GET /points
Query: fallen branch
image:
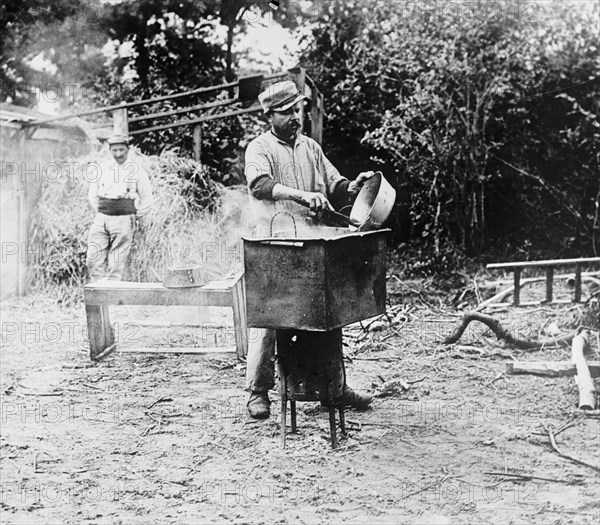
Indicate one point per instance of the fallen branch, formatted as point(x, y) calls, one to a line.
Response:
point(550, 368)
point(416, 292)
point(162, 399)
point(501, 333)
point(413, 381)
point(562, 454)
point(527, 477)
point(568, 424)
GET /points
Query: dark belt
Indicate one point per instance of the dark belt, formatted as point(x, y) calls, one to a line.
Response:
point(121, 206)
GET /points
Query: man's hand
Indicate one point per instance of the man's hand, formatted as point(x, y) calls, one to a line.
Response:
point(355, 186)
point(317, 202)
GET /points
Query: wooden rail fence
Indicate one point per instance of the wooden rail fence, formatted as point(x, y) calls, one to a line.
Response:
point(548, 266)
point(247, 89)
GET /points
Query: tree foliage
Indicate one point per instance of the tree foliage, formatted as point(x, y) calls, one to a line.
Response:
point(484, 115)
point(135, 49)
point(485, 119)
point(23, 23)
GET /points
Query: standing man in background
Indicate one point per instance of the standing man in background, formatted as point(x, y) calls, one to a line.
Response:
point(120, 193)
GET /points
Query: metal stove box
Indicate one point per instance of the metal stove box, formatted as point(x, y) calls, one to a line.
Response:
point(321, 279)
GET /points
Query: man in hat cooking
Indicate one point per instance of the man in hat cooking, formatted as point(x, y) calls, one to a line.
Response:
point(120, 192)
point(283, 169)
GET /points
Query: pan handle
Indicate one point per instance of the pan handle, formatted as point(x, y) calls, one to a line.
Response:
point(332, 213)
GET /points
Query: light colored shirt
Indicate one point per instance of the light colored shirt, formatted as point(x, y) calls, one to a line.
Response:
point(112, 180)
point(303, 167)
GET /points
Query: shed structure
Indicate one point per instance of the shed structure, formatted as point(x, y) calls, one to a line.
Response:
point(27, 154)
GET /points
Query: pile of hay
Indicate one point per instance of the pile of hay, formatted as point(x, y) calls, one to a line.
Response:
point(194, 221)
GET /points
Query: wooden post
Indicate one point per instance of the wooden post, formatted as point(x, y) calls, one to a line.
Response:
point(316, 116)
point(577, 297)
point(121, 122)
point(298, 75)
point(197, 142)
point(517, 284)
point(20, 281)
point(22, 211)
point(549, 283)
point(583, 379)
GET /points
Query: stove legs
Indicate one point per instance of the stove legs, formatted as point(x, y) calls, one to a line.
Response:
point(342, 421)
point(332, 422)
point(332, 429)
point(283, 388)
point(293, 415)
point(310, 368)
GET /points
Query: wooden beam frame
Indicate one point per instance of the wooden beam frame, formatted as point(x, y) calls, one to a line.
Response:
point(143, 102)
point(188, 109)
point(196, 120)
point(550, 368)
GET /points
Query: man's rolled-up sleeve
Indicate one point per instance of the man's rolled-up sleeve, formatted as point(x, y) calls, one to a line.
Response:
point(262, 187)
point(258, 172)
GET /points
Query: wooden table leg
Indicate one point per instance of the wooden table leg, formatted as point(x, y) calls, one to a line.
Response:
point(100, 333)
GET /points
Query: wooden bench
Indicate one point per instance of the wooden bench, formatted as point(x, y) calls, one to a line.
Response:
point(548, 266)
point(99, 295)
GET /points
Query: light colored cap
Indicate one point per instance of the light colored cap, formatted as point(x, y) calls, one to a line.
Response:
point(280, 96)
point(118, 138)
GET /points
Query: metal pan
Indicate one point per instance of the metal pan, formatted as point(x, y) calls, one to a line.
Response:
point(374, 204)
point(371, 208)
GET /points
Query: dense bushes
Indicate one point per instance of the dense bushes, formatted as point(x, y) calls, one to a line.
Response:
point(486, 120)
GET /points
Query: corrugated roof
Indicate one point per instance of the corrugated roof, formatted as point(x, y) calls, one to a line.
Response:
point(13, 116)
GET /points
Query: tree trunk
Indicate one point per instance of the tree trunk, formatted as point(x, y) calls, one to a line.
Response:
point(229, 76)
point(143, 59)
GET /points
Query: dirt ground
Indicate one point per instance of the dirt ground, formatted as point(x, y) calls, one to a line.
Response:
point(165, 438)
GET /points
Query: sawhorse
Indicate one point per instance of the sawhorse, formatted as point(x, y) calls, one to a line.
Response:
point(99, 295)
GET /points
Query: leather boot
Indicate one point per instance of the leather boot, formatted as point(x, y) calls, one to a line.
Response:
point(353, 398)
point(259, 405)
